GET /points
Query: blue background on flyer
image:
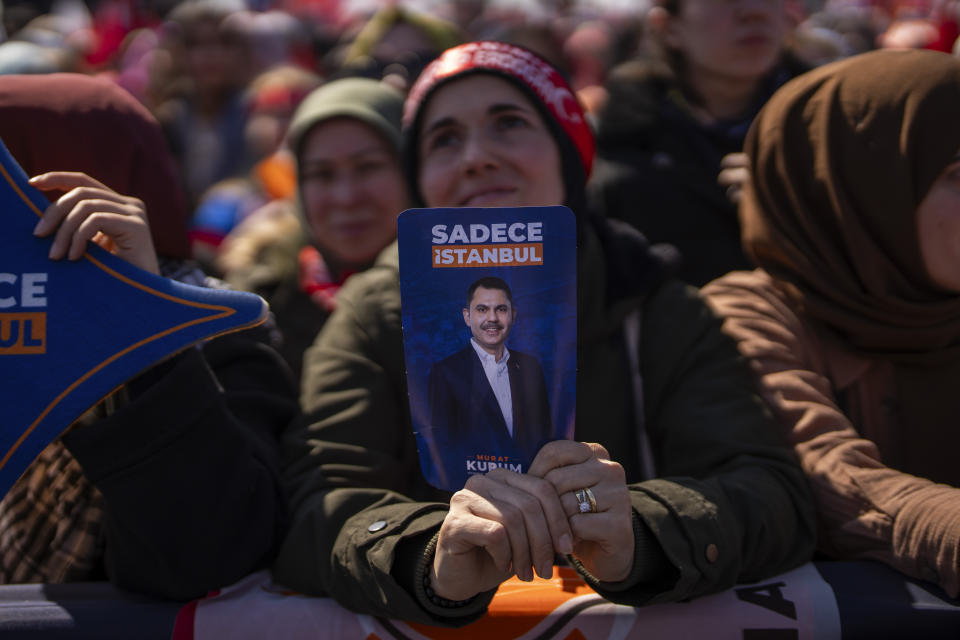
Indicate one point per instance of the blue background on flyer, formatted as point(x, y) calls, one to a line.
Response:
point(545, 298)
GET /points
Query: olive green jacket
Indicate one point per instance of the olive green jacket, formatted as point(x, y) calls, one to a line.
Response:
point(729, 504)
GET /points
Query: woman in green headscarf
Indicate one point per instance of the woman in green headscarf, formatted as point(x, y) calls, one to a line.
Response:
point(345, 137)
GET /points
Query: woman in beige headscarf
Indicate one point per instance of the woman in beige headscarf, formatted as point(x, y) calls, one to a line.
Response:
point(853, 319)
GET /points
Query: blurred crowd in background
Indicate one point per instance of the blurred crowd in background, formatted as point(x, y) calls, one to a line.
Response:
point(224, 77)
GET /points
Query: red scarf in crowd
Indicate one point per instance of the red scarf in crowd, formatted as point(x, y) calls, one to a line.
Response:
point(317, 280)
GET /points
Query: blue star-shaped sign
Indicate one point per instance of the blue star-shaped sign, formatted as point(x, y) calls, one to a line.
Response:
point(72, 332)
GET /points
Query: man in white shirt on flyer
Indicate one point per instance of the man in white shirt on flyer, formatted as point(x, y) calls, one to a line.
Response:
point(488, 404)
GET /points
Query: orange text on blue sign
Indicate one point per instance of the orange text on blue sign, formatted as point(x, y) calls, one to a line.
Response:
point(23, 333)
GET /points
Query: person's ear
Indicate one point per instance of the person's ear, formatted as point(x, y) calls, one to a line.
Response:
point(466, 316)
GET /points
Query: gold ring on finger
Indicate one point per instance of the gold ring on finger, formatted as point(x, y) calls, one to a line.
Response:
point(593, 500)
point(586, 501)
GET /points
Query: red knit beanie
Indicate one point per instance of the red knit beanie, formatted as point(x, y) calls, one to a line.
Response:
point(535, 75)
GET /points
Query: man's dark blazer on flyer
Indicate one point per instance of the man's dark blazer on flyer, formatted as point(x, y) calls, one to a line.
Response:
point(466, 420)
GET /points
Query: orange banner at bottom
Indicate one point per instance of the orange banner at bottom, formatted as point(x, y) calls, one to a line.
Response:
point(798, 604)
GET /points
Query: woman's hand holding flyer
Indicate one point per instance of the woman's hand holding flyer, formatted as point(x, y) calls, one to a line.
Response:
point(603, 540)
point(502, 523)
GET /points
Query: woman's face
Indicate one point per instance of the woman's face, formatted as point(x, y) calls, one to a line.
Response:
point(483, 144)
point(739, 39)
point(352, 190)
point(938, 229)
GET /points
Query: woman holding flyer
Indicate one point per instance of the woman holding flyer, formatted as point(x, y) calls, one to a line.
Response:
point(677, 484)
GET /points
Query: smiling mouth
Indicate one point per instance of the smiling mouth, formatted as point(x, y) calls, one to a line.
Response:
point(492, 332)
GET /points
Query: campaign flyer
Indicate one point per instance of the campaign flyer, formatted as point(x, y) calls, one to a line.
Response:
point(489, 315)
point(72, 332)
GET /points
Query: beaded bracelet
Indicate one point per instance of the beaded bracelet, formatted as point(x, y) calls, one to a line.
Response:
point(442, 602)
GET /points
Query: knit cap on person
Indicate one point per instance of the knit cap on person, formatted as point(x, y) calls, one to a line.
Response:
point(536, 78)
point(366, 100)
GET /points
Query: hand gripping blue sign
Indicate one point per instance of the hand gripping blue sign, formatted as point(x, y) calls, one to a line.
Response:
point(73, 332)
